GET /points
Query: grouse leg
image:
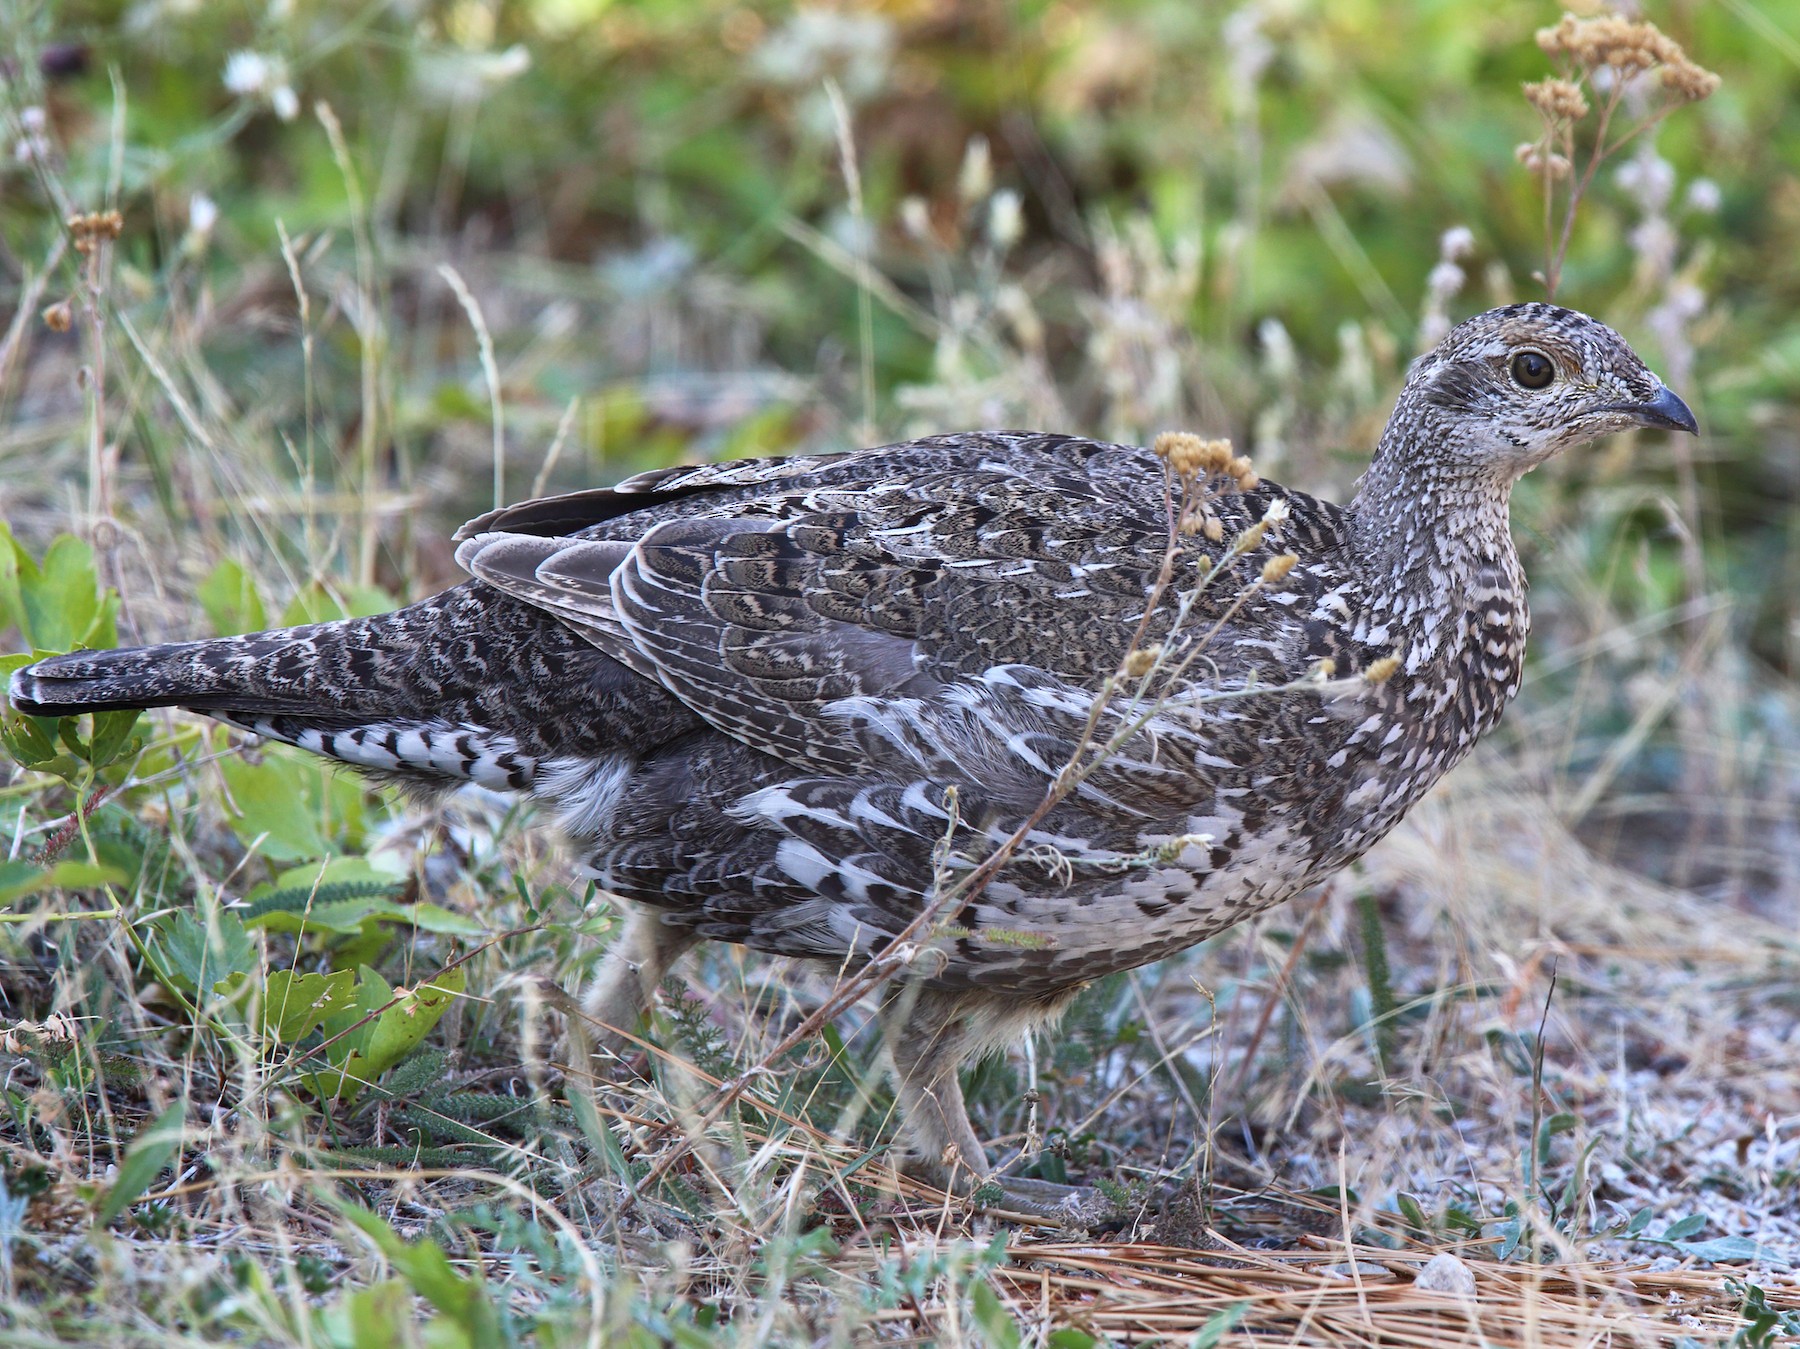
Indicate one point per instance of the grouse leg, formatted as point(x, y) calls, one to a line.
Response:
point(929, 1036)
point(926, 1039)
point(614, 1003)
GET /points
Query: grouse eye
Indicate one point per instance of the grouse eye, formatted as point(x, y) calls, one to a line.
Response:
point(1532, 370)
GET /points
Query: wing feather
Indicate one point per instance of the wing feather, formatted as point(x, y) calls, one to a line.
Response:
point(952, 604)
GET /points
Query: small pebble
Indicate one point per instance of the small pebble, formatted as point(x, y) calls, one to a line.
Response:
point(1444, 1273)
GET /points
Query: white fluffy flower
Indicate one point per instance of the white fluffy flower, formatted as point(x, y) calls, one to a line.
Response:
point(247, 73)
point(1445, 280)
point(1456, 243)
point(1005, 220)
point(203, 214)
point(1703, 196)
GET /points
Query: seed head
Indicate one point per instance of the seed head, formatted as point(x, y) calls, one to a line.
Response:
point(1688, 82)
point(1558, 100)
point(1275, 570)
point(1140, 661)
point(1533, 156)
point(1627, 49)
point(1325, 669)
point(94, 227)
point(1240, 468)
point(1191, 457)
point(1170, 850)
point(1213, 528)
point(1380, 671)
point(59, 317)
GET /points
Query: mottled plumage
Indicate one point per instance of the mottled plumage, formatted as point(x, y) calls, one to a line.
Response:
point(745, 690)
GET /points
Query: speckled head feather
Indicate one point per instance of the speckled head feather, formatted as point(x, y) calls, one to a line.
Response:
point(1512, 387)
point(748, 693)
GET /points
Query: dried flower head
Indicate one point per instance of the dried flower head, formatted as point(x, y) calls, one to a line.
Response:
point(1605, 56)
point(1534, 157)
point(1380, 671)
point(1557, 100)
point(1170, 850)
point(1201, 519)
point(26, 1037)
point(1275, 570)
point(1140, 661)
point(1689, 82)
point(1626, 48)
point(1607, 40)
point(1191, 457)
point(1241, 469)
point(59, 317)
point(1456, 243)
point(94, 227)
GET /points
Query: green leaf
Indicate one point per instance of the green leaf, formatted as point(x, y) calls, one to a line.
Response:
point(1734, 1248)
point(316, 604)
point(1683, 1228)
point(1560, 1123)
point(295, 1004)
point(398, 1031)
point(1070, 1338)
point(378, 1317)
point(1511, 1233)
point(463, 1301)
point(369, 1050)
point(1410, 1210)
point(149, 1153)
point(19, 879)
point(230, 599)
point(1218, 1326)
point(997, 1324)
point(111, 735)
point(429, 917)
point(340, 897)
point(30, 740)
point(12, 601)
point(59, 606)
point(281, 801)
point(201, 957)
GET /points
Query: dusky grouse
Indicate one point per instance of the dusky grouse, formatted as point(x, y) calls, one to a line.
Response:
point(788, 702)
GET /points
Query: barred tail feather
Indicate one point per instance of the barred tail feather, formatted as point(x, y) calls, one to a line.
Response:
point(222, 678)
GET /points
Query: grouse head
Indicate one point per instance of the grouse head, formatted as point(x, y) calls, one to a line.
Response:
point(1506, 390)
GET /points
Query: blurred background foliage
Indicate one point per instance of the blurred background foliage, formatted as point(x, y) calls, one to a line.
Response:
point(702, 229)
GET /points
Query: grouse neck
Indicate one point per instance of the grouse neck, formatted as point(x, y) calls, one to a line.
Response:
point(1430, 527)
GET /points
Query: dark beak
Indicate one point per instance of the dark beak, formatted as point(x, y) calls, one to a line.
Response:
point(1665, 412)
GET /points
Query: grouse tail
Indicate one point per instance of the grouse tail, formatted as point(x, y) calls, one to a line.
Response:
point(204, 676)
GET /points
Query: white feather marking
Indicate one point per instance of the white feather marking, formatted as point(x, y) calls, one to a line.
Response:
point(584, 793)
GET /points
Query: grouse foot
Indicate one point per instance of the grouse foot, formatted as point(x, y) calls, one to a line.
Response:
point(1080, 1207)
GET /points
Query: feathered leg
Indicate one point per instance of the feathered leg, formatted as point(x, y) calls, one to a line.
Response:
point(614, 1003)
point(928, 1037)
